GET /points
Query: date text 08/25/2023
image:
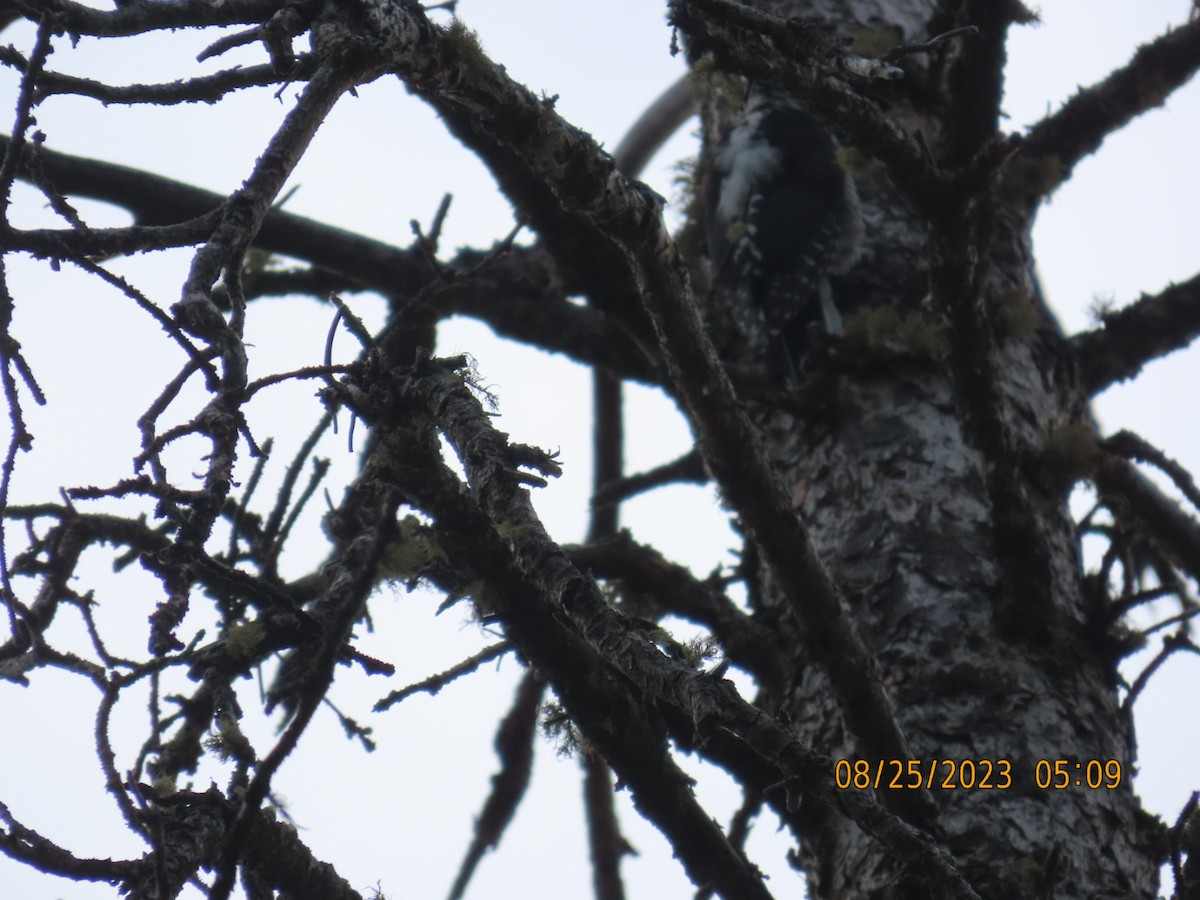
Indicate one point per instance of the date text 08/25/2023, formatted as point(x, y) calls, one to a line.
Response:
point(973, 774)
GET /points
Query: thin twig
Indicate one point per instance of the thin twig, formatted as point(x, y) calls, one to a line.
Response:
point(434, 683)
point(930, 45)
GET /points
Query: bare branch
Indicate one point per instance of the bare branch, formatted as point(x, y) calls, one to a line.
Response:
point(243, 214)
point(655, 126)
point(536, 593)
point(670, 588)
point(686, 469)
point(1055, 145)
point(604, 830)
point(925, 47)
point(137, 18)
point(206, 89)
point(1133, 446)
point(275, 851)
point(545, 605)
point(1177, 533)
point(506, 121)
point(434, 683)
point(608, 448)
point(1172, 644)
point(21, 439)
point(533, 309)
point(24, 121)
point(1141, 332)
point(514, 745)
point(974, 71)
point(20, 842)
point(196, 826)
point(1183, 837)
point(307, 673)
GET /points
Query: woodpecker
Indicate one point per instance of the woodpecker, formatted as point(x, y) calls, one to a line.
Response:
point(783, 215)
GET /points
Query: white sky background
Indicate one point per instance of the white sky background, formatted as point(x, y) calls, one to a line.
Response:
point(1129, 221)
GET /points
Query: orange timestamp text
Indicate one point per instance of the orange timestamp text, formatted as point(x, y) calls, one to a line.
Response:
point(972, 774)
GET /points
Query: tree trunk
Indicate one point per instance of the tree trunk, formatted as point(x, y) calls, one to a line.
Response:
point(927, 468)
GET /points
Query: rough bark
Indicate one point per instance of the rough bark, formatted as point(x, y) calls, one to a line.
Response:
point(920, 486)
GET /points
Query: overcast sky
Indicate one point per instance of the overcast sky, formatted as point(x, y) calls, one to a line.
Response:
point(1129, 221)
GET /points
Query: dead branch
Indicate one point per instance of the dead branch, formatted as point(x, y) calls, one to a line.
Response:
point(1055, 145)
point(1141, 332)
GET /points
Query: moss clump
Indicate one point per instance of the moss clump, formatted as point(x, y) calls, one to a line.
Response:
point(891, 331)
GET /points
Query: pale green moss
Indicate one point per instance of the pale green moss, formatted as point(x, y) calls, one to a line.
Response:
point(241, 641)
point(890, 330)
